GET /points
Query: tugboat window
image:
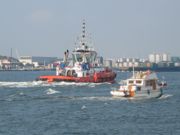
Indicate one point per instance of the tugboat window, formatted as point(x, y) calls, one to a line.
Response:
point(139, 81)
point(79, 58)
point(74, 73)
point(131, 82)
point(69, 73)
point(138, 88)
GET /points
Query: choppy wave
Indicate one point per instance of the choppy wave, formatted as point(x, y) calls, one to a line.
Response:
point(51, 91)
point(83, 107)
point(45, 84)
point(24, 97)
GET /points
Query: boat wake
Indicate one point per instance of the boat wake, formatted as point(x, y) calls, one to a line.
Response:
point(99, 98)
point(30, 84)
point(53, 94)
point(22, 84)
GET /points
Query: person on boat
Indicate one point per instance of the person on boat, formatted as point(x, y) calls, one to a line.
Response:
point(57, 70)
point(67, 53)
point(65, 57)
point(85, 66)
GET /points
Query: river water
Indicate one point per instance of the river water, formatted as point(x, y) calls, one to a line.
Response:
point(28, 107)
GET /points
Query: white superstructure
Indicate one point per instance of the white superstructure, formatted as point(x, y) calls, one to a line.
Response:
point(157, 57)
point(26, 60)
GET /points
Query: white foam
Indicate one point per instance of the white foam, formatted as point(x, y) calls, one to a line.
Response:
point(20, 84)
point(9, 99)
point(83, 107)
point(165, 96)
point(68, 84)
point(44, 84)
point(102, 98)
point(105, 103)
point(51, 91)
point(92, 85)
point(21, 93)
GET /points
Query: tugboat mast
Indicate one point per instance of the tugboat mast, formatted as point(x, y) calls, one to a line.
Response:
point(83, 33)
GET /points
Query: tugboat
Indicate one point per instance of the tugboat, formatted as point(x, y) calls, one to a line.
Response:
point(82, 68)
point(142, 85)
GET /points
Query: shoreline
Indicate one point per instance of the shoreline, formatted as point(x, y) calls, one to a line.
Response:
point(156, 69)
point(173, 69)
point(27, 70)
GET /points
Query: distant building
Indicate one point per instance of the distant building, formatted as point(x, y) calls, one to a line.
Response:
point(45, 61)
point(152, 58)
point(175, 59)
point(108, 63)
point(166, 57)
point(7, 63)
point(127, 62)
point(177, 64)
point(36, 64)
point(162, 64)
point(26, 60)
point(121, 60)
point(99, 60)
point(156, 58)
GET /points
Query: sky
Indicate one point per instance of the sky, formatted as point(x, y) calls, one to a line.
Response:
point(119, 28)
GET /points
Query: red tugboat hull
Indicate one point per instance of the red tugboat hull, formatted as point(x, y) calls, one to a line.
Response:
point(96, 78)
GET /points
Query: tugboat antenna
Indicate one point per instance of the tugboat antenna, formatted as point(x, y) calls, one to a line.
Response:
point(83, 32)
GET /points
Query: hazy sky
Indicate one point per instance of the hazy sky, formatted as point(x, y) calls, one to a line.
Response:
point(119, 28)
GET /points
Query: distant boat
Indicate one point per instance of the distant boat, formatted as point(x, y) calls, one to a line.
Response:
point(140, 85)
point(82, 68)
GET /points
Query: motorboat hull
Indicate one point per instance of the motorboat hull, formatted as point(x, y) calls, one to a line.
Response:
point(96, 78)
point(138, 94)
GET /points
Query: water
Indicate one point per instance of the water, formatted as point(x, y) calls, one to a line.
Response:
point(35, 108)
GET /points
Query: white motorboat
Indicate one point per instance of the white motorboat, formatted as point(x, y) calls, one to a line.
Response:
point(141, 84)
